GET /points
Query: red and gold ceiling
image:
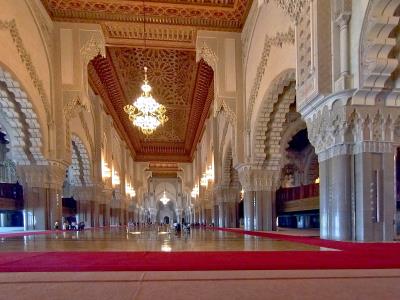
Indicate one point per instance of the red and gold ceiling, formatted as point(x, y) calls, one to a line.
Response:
point(182, 85)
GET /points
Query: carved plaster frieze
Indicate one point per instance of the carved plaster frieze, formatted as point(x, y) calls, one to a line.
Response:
point(87, 132)
point(94, 46)
point(344, 128)
point(208, 55)
point(292, 8)
point(50, 176)
point(83, 193)
point(26, 59)
point(378, 52)
point(72, 108)
point(278, 40)
point(156, 35)
point(220, 104)
point(256, 178)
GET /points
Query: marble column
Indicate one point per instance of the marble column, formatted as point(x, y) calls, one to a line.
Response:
point(107, 196)
point(248, 202)
point(335, 198)
point(222, 214)
point(42, 192)
point(375, 205)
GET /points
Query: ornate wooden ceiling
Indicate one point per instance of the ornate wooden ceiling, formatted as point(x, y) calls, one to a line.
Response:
point(170, 23)
point(183, 86)
point(171, 74)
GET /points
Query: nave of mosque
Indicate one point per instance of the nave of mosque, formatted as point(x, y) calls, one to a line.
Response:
point(169, 126)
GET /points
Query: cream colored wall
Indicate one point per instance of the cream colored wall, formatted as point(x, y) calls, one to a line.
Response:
point(356, 23)
point(15, 48)
point(270, 21)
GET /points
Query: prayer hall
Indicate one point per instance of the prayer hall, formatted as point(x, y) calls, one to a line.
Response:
point(199, 149)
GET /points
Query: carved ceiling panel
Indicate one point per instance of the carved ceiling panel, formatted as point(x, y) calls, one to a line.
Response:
point(211, 14)
point(170, 23)
point(171, 74)
point(188, 99)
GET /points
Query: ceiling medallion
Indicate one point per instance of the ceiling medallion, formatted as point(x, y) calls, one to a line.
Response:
point(146, 113)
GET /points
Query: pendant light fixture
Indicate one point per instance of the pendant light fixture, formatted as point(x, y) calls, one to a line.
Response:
point(146, 113)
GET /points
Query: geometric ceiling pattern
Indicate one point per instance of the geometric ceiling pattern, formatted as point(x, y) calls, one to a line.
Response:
point(171, 74)
point(170, 23)
point(182, 85)
point(176, 140)
point(220, 14)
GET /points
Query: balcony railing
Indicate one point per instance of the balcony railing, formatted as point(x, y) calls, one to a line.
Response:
point(297, 193)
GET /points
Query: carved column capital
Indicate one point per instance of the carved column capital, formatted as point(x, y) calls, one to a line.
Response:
point(256, 178)
point(344, 128)
point(51, 175)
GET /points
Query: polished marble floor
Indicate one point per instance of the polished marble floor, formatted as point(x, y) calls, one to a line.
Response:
point(148, 239)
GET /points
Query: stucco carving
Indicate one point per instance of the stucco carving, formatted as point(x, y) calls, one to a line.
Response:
point(264, 116)
point(71, 109)
point(378, 52)
point(23, 125)
point(347, 129)
point(255, 178)
point(93, 47)
point(87, 132)
point(43, 176)
point(292, 8)
point(208, 55)
point(278, 40)
point(11, 26)
point(225, 108)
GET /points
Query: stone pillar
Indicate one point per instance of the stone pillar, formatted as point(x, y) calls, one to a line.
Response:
point(222, 214)
point(265, 207)
point(107, 197)
point(42, 194)
point(259, 185)
point(153, 215)
point(216, 215)
point(83, 196)
point(335, 198)
point(375, 198)
point(342, 22)
point(248, 203)
point(178, 212)
point(355, 147)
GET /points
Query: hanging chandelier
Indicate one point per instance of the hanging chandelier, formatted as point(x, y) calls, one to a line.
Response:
point(146, 113)
point(164, 199)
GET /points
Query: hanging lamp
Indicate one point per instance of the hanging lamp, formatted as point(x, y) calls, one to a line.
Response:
point(146, 113)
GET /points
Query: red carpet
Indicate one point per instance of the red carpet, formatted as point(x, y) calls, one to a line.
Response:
point(26, 233)
point(351, 256)
point(352, 246)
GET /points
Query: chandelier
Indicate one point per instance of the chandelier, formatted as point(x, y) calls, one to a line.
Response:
point(146, 113)
point(195, 191)
point(129, 190)
point(164, 199)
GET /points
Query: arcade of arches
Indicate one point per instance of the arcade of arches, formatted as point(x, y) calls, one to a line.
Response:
point(281, 114)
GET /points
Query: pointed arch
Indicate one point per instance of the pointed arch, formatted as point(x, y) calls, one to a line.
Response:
point(378, 53)
point(272, 109)
point(21, 122)
point(80, 169)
